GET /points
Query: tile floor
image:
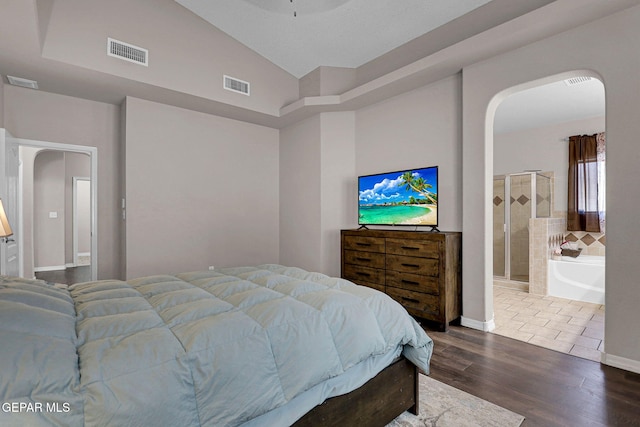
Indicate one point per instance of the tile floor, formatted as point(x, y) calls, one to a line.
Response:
point(567, 326)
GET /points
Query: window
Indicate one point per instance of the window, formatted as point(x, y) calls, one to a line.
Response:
point(586, 202)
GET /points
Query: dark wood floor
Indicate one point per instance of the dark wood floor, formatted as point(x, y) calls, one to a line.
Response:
point(66, 276)
point(547, 387)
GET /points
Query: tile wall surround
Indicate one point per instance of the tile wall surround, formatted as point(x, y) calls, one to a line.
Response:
point(591, 243)
point(545, 234)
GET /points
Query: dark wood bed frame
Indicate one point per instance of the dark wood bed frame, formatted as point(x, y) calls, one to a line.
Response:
point(376, 403)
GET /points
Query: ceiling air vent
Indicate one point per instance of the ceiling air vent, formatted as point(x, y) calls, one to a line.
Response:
point(18, 81)
point(577, 80)
point(236, 85)
point(128, 52)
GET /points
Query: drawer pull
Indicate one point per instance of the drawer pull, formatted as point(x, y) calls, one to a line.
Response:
point(363, 259)
point(413, 300)
point(362, 244)
point(411, 265)
point(410, 282)
point(410, 248)
point(360, 273)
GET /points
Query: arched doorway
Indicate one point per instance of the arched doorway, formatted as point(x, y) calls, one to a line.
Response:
point(531, 126)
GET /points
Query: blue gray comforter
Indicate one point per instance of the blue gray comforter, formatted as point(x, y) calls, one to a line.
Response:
point(209, 348)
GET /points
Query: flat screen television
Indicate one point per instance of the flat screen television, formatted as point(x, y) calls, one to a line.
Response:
point(406, 197)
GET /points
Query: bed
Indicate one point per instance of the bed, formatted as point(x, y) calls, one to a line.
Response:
point(250, 346)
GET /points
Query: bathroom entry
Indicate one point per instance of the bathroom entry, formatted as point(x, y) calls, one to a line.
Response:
point(517, 197)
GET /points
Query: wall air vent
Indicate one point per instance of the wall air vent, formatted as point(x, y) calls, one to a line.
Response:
point(235, 85)
point(18, 81)
point(577, 80)
point(127, 52)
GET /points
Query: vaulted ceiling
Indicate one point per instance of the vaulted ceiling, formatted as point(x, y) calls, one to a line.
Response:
point(301, 35)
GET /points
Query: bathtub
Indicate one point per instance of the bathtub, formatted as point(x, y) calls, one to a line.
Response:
point(580, 278)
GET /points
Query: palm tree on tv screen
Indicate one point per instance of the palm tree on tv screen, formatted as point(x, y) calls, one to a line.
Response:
point(419, 185)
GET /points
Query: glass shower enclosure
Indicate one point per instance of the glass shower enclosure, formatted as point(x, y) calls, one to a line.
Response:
point(517, 197)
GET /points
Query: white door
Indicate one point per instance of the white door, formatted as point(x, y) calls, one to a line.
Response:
point(9, 165)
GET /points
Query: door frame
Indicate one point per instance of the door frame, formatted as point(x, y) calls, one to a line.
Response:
point(10, 249)
point(92, 152)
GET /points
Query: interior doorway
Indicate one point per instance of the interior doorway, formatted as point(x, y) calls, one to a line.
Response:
point(536, 137)
point(29, 150)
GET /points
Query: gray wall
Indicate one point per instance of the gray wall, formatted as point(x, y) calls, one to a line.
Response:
point(338, 202)
point(49, 117)
point(179, 60)
point(321, 157)
point(418, 129)
point(49, 197)
point(300, 183)
point(75, 164)
point(318, 193)
point(83, 211)
point(1, 101)
point(485, 84)
point(200, 190)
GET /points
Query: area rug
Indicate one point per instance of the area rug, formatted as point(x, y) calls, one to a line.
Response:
point(444, 406)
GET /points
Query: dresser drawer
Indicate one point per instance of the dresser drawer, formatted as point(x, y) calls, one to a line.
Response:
point(417, 248)
point(407, 264)
point(417, 303)
point(413, 282)
point(365, 259)
point(363, 275)
point(420, 270)
point(364, 243)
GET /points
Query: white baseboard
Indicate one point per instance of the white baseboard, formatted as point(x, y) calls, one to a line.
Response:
point(620, 362)
point(84, 253)
point(50, 268)
point(477, 324)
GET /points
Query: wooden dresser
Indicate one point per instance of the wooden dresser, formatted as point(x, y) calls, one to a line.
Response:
point(420, 270)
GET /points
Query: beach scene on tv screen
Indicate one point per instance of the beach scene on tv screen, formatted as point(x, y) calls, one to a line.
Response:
point(400, 198)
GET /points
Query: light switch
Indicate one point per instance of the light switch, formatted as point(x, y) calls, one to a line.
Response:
point(53, 214)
